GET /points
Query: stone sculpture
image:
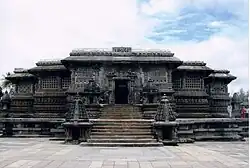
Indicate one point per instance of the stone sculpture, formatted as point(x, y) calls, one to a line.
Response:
point(1, 92)
point(165, 125)
point(164, 111)
point(6, 100)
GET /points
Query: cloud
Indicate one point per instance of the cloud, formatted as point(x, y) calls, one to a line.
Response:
point(214, 31)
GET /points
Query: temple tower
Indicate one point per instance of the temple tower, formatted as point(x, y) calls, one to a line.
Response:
point(217, 88)
point(22, 93)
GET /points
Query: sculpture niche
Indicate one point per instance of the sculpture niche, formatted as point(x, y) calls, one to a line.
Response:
point(165, 125)
point(5, 110)
point(92, 92)
point(77, 130)
point(150, 93)
point(5, 101)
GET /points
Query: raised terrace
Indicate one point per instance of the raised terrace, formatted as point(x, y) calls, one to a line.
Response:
point(120, 97)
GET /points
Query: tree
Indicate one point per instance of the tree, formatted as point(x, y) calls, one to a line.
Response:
point(6, 84)
point(243, 96)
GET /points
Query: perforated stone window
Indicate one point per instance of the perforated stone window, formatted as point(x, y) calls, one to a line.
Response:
point(193, 82)
point(82, 76)
point(66, 82)
point(24, 88)
point(158, 75)
point(50, 82)
point(177, 83)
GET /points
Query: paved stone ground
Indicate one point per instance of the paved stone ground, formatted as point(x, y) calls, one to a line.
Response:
point(42, 153)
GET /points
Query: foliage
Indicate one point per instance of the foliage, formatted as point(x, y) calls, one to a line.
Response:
point(5, 84)
point(243, 95)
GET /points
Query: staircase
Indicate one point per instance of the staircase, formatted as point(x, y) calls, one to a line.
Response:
point(122, 125)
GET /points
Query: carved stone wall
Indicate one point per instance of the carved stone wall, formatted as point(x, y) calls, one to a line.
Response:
point(22, 99)
point(218, 99)
point(83, 75)
point(190, 95)
point(136, 74)
point(50, 97)
point(66, 81)
point(216, 87)
point(24, 88)
point(49, 82)
point(159, 75)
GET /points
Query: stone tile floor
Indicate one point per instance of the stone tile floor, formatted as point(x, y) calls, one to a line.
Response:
point(42, 153)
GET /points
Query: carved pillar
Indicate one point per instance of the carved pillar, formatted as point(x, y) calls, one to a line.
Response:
point(101, 77)
point(112, 95)
point(169, 76)
point(202, 83)
point(59, 80)
point(141, 77)
point(184, 80)
point(73, 79)
point(130, 92)
point(39, 83)
point(32, 89)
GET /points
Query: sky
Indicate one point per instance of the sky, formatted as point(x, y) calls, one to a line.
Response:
point(213, 31)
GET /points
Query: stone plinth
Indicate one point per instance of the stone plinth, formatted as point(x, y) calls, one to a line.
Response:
point(77, 131)
point(166, 132)
point(30, 127)
point(216, 129)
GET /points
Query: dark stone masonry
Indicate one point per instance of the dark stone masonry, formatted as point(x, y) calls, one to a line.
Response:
point(122, 97)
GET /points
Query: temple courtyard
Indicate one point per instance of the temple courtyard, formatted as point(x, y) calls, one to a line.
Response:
point(40, 152)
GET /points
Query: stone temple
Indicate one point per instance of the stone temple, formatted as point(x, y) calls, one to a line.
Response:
point(120, 97)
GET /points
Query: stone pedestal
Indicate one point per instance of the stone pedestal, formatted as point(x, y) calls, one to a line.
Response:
point(77, 131)
point(166, 132)
point(8, 130)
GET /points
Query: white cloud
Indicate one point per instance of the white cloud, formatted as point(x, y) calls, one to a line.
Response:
point(217, 24)
point(33, 30)
point(45, 29)
point(156, 6)
point(238, 7)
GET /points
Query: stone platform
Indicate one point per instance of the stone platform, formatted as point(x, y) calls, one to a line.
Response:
point(42, 153)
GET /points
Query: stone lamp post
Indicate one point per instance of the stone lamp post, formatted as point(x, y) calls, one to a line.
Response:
point(77, 130)
point(165, 125)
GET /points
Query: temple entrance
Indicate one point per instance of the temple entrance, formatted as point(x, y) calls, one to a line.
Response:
point(121, 92)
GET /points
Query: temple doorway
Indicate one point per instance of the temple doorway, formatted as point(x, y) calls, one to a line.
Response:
point(121, 92)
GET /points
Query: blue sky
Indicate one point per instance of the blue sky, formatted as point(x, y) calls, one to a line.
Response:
point(214, 31)
point(197, 24)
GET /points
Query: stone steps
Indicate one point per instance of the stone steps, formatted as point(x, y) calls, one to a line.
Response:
point(117, 117)
point(121, 133)
point(218, 137)
point(122, 136)
point(123, 140)
point(135, 115)
point(121, 125)
point(149, 144)
point(121, 120)
point(122, 130)
point(120, 115)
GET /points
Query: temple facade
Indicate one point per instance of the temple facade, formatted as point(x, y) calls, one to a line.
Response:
point(119, 76)
point(120, 97)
